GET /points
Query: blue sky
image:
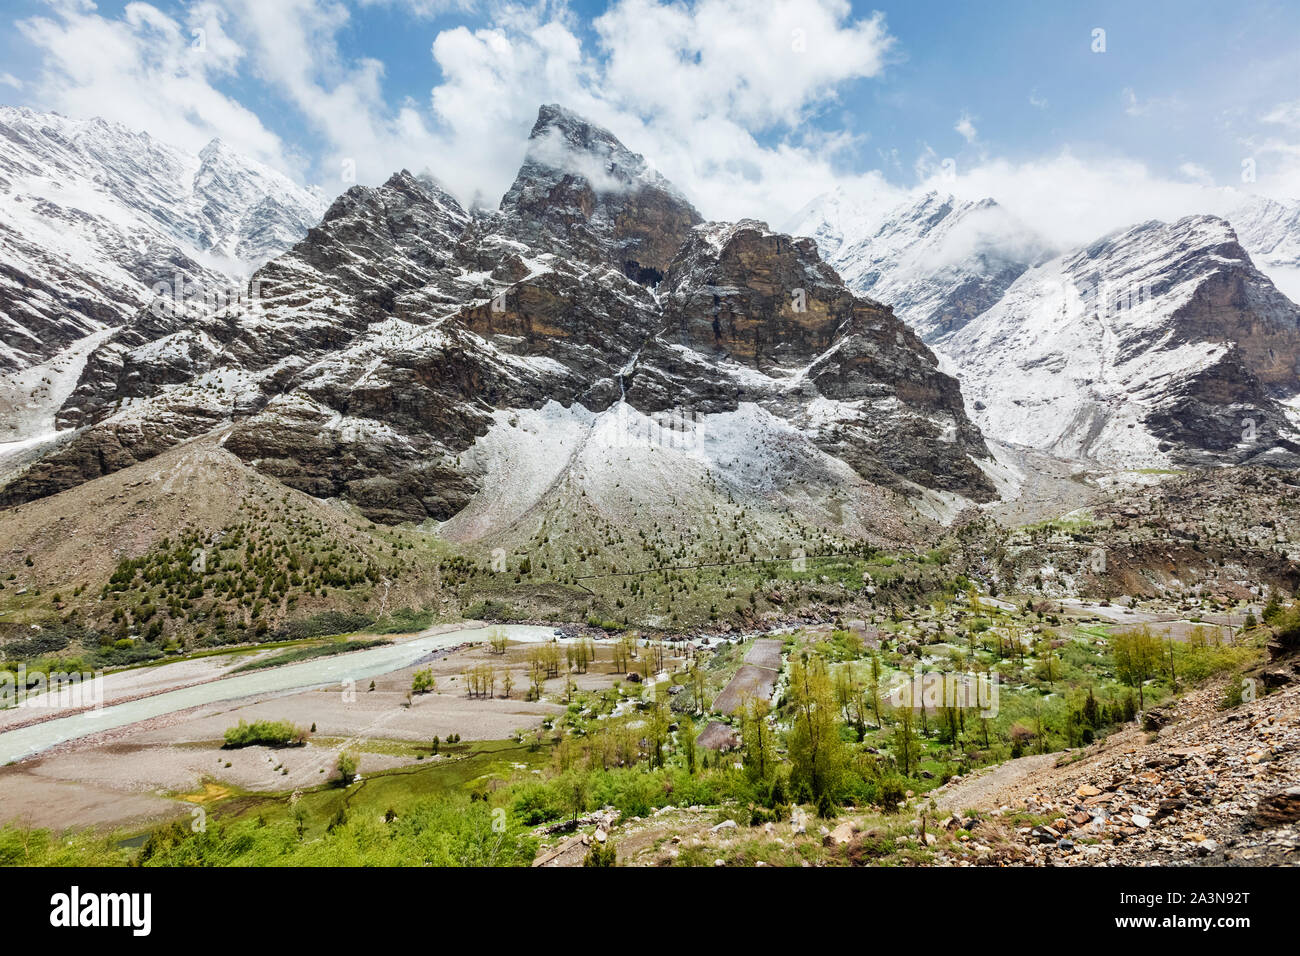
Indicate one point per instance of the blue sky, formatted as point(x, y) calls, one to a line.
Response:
point(721, 94)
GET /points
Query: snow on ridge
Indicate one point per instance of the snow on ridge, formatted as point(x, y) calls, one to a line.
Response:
point(1080, 349)
point(94, 216)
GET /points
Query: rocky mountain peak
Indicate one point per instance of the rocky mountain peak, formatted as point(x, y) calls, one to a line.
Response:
point(215, 149)
point(583, 193)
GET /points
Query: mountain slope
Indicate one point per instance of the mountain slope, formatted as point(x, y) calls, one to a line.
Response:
point(938, 260)
point(1269, 230)
point(93, 216)
point(1160, 343)
point(298, 556)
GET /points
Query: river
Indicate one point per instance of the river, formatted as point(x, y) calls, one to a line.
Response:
point(288, 678)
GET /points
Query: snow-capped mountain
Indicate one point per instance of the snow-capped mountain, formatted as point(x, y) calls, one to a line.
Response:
point(421, 361)
point(1159, 343)
point(839, 216)
point(938, 260)
point(1269, 229)
point(94, 215)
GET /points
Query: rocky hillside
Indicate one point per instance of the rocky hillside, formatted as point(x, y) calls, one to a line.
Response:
point(389, 357)
point(195, 545)
point(1209, 787)
point(1225, 534)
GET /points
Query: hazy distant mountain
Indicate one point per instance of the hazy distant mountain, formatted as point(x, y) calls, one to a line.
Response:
point(93, 215)
point(1161, 342)
point(938, 260)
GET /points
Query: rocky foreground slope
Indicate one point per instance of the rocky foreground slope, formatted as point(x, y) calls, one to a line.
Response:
point(1212, 787)
point(386, 358)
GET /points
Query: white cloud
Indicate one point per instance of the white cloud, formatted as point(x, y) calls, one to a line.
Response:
point(1071, 200)
point(421, 8)
point(759, 65)
point(148, 71)
point(1287, 114)
point(1196, 173)
point(1134, 106)
point(1274, 164)
point(691, 86)
point(8, 79)
point(716, 94)
point(966, 127)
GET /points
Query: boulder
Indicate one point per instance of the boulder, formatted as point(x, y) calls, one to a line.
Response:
point(1278, 809)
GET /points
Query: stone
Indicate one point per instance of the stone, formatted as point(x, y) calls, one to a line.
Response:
point(841, 835)
point(1278, 809)
point(1169, 805)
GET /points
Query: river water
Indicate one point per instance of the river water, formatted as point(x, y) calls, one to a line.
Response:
point(289, 678)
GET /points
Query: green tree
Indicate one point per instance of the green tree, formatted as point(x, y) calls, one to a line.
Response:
point(756, 738)
point(817, 752)
point(346, 767)
point(574, 787)
point(686, 741)
point(422, 681)
point(873, 684)
point(1137, 654)
point(906, 744)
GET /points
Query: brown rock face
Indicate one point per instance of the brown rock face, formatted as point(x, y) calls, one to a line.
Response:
point(1232, 307)
point(582, 191)
point(761, 298)
point(739, 292)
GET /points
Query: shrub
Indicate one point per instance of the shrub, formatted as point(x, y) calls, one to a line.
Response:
point(445, 831)
point(269, 733)
point(346, 767)
point(536, 803)
point(601, 854)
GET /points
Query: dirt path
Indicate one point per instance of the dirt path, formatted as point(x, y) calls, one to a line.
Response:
point(988, 789)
